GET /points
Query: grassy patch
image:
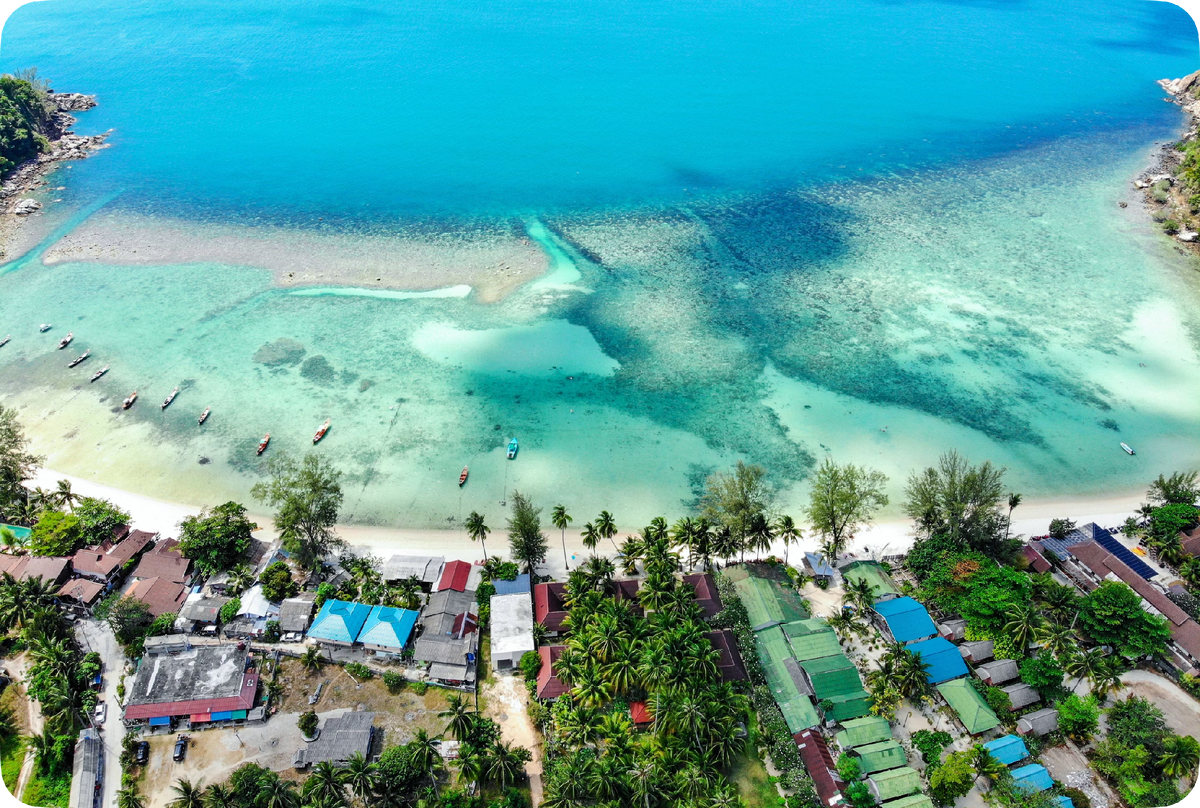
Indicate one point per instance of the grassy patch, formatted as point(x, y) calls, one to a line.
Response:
point(12, 755)
point(756, 790)
point(48, 791)
point(483, 669)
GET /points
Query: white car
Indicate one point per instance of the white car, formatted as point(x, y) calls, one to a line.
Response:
point(101, 712)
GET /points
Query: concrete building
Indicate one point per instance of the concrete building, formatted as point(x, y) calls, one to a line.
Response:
point(201, 684)
point(512, 630)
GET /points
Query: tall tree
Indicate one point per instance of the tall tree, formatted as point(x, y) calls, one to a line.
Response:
point(526, 541)
point(307, 496)
point(961, 502)
point(1181, 488)
point(843, 500)
point(606, 527)
point(477, 530)
point(188, 795)
point(17, 464)
point(733, 499)
point(216, 540)
point(560, 519)
point(787, 531)
point(591, 537)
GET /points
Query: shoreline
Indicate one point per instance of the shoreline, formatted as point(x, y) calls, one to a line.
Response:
point(888, 537)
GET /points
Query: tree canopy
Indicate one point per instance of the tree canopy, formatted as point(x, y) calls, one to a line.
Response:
point(25, 118)
point(738, 499)
point(843, 499)
point(216, 540)
point(277, 583)
point(1112, 614)
point(307, 496)
point(526, 541)
point(960, 502)
point(1181, 488)
point(98, 518)
point(17, 464)
point(56, 534)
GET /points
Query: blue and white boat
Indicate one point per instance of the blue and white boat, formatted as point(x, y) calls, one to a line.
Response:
point(512, 448)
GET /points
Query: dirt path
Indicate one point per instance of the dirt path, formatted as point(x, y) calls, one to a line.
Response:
point(19, 669)
point(1181, 711)
point(1067, 764)
point(506, 699)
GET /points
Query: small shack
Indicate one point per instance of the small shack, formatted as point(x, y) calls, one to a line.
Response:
point(998, 672)
point(894, 783)
point(905, 620)
point(1021, 695)
point(1008, 750)
point(977, 652)
point(1039, 723)
point(341, 739)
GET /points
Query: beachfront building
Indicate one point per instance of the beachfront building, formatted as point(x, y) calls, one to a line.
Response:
point(516, 585)
point(969, 706)
point(387, 630)
point(707, 597)
point(253, 614)
point(905, 620)
point(160, 595)
point(1008, 750)
point(815, 755)
point(460, 576)
point(881, 756)
point(24, 568)
point(103, 562)
point(817, 566)
point(1039, 723)
point(426, 569)
point(882, 586)
point(943, 659)
point(80, 595)
point(512, 630)
point(911, 801)
point(863, 731)
point(296, 613)
point(164, 561)
point(199, 685)
point(836, 680)
point(1032, 778)
point(1021, 695)
point(342, 737)
point(87, 778)
point(338, 623)
point(549, 607)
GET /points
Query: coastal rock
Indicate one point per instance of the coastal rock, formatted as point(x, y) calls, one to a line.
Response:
point(26, 207)
point(1188, 236)
point(73, 102)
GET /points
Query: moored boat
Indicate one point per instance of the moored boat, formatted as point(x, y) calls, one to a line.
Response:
point(4, 341)
point(512, 448)
point(1127, 448)
point(80, 358)
point(99, 373)
point(45, 327)
point(65, 341)
point(462, 478)
point(129, 401)
point(167, 402)
point(204, 415)
point(262, 444)
point(321, 431)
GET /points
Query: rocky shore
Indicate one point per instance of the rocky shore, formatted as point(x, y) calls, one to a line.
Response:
point(1171, 200)
point(64, 145)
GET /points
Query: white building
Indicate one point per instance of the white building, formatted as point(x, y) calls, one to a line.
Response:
point(512, 630)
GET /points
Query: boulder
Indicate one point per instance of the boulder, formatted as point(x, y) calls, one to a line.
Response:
point(1188, 236)
point(26, 207)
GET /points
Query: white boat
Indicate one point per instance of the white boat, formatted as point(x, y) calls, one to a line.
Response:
point(99, 373)
point(4, 341)
point(45, 327)
point(169, 399)
point(80, 358)
point(321, 431)
point(65, 341)
point(127, 403)
point(204, 415)
point(1127, 448)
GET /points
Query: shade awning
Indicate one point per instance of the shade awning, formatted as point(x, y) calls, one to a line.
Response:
point(239, 714)
point(222, 716)
point(160, 721)
point(196, 718)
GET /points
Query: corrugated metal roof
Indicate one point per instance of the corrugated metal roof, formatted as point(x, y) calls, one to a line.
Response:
point(815, 646)
point(907, 619)
point(1033, 778)
point(829, 678)
point(339, 621)
point(894, 783)
point(851, 705)
point(972, 710)
point(877, 757)
point(871, 572)
point(388, 627)
point(1008, 750)
point(913, 801)
point(942, 657)
point(862, 731)
point(800, 628)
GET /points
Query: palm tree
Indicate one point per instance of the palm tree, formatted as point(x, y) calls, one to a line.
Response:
point(1085, 665)
point(63, 496)
point(912, 674)
point(1023, 623)
point(361, 776)
point(591, 690)
point(477, 530)
point(423, 755)
point(761, 534)
point(607, 528)
point(188, 795)
point(218, 795)
point(241, 578)
point(506, 764)
point(312, 659)
point(277, 794)
point(630, 552)
point(682, 533)
point(785, 529)
point(591, 537)
point(462, 720)
point(560, 519)
point(129, 798)
point(1057, 638)
point(1013, 501)
point(327, 782)
point(1107, 676)
point(471, 764)
point(1180, 756)
point(860, 594)
point(644, 778)
point(1189, 571)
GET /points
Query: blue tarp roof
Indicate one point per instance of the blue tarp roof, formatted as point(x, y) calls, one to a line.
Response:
point(160, 721)
point(1007, 750)
point(1064, 802)
point(1033, 777)
point(517, 586)
point(943, 658)
point(339, 620)
point(906, 619)
point(388, 626)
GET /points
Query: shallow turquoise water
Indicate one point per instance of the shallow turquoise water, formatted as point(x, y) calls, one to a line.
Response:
point(773, 231)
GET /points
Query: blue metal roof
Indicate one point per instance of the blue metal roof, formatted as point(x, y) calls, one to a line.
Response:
point(819, 565)
point(388, 626)
point(517, 586)
point(339, 620)
point(160, 721)
point(1064, 802)
point(1033, 777)
point(1008, 750)
point(943, 658)
point(906, 619)
point(224, 715)
point(1077, 535)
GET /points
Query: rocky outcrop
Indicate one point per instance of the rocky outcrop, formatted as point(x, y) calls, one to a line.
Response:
point(26, 207)
point(72, 102)
point(1166, 196)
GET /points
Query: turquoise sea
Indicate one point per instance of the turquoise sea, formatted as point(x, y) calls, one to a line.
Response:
point(772, 230)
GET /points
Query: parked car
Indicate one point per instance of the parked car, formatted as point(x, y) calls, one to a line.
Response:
point(101, 712)
point(181, 748)
point(142, 755)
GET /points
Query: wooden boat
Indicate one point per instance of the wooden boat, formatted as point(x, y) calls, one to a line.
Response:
point(80, 358)
point(321, 432)
point(204, 415)
point(45, 327)
point(65, 341)
point(1127, 449)
point(167, 402)
point(512, 448)
point(129, 401)
point(99, 373)
point(462, 478)
point(4, 341)
point(262, 444)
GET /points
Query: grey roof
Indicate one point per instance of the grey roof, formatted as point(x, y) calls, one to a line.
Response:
point(295, 613)
point(1002, 670)
point(89, 769)
point(203, 610)
point(341, 738)
point(444, 649)
point(451, 673)
point(426, 569)
point(512, 624)
point(953, 629)
point(1042, 722)
point(449, 602)
point(202, 672)
point(1021, 695)
point(977, 651)
point(1078, 535)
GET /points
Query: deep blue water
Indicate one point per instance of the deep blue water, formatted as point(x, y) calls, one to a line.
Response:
point(372, 109)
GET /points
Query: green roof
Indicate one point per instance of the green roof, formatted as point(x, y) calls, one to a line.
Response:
point(972, 710)
point(816, 646)
point(894, 783)
point(861, 731)
point(800, 628)
point(797, 708)
point(912, 801)
point(872, 573)
point(799, 713)
point(826, 664)
point(759, 599)
point(832, 676)
point(851, 705)
point(880, 756)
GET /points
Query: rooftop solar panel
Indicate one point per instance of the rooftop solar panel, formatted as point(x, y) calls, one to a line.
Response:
point(1122, 552)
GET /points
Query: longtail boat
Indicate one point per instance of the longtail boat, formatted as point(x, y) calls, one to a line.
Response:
point(262, 444)
point(512, 448)
point(44, 327)
point(4, 341)
point(167, 402)
point(1127, 448)
point(129, 401)
point(80, 358)
point(99, 373)
point(462, 478)
point(321, 431)
point(204, 415)
point(65, 341)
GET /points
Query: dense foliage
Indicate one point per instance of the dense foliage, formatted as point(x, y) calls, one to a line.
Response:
point(844, 499)
point(526, 541)
point(961, 504)
point(277, 583)
point(306, 495)
point(216, 540)
point(25, 118)
point(1112, 614)
point(56, 534)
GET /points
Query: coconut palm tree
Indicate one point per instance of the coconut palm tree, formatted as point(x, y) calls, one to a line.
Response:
point(63, 496)
point(590, 536)
point(1085, 665)
point(424, 757)
point(241, 578)
point(218, 795)
point(1107, 676)
point(560, 519)
point(645, 780)
point(1180, 756)
point(311, 659)
point(462, 720)
point(1023, 623)
point(327, 782)
point(276, 794)
point(361, 777)
point(591, 690)
point(188, 795)
point(859, 594)
point(786, 530)
point(130, 798)
point(682, 533)
point(1057, 638)
point(506, 764)
point(477, 530)
point(761, 534)
point(631, 552)
point(912, 674)
point(607, 528)
point(471, 763)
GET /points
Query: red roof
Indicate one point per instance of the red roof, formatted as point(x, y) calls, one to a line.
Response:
point(548, 607)
point(1036, 560)
point(730, 664)
point(242, 701)
point(454, 576)
point(83, 590)
point(706, 593)
point(820, 765)
point(166, 563)
point(639, 712)
point(46, 567)
point(1191, 541)
point(550, 686)
point(159, 594)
